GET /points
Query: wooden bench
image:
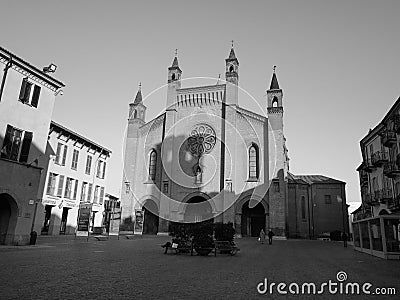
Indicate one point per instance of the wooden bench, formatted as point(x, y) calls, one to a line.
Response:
point(225, 247)
point(178, 249)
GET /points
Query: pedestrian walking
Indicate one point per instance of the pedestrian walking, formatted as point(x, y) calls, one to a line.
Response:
point(344, 238)
point(270, 235)
point(261, 238)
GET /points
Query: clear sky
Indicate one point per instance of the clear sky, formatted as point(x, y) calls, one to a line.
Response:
point(337, 63)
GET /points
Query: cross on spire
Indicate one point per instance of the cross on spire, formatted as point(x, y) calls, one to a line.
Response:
point(140, 86)
point(176, 52)
point(232, 43)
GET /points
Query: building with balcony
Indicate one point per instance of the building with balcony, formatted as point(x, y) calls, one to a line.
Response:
point(27, 97)
point(76, 174)
point(376, 228)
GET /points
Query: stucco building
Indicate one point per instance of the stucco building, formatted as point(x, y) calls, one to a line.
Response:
point(376, 223)
point(27, 96)
point(76, 174)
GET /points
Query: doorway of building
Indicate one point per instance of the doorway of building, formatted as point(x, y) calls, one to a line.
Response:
point(8, 217)
point(253, 219)
point(64, 217)
point(150, 217)
point(198, 210)
point(47, 217)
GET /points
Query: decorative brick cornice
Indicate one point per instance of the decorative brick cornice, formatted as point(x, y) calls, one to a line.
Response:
point(275, 110)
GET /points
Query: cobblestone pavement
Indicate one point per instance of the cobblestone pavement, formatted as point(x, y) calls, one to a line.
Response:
point(65, 268)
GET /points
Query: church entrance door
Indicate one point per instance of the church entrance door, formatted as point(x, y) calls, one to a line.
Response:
point(150, 218)
point(253, 219)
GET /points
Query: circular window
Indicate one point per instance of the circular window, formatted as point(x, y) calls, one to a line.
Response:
point(201, 139)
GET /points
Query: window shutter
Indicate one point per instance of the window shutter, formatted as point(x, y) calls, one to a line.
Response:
point(104, 170)
point(23, 89)
point(35, 96)
point(75, 189)
point(64, 155)
point(60, 186)
point(48, 192)
point(101, 195)
point(6, 148)
point(26, 145)
point(98, 169)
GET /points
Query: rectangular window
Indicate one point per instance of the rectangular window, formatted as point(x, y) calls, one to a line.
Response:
point(60, 186)
point(165, 187)
point(103, 174)
point(303, 207)
point(88, 164)
point(89, 194)
point(58, 153)
point(98, 171)
point(64, 155)
point(75, 157)
point(68, 188)
point(51, 184)
point(328, 199)
point(101, 195)
point(276, 187)
point(83, 191)
point(96, 194)
point(75, 189)
point(16, 144)
point(28, 95)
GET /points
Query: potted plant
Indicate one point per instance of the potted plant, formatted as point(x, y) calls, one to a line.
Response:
point(181, 235)
point(203, 241)
point(224, 232)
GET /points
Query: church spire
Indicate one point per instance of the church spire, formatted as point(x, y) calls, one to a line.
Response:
point(138, 98)
point(274, 81)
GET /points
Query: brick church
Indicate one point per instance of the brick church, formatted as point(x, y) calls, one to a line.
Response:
point(205, 158)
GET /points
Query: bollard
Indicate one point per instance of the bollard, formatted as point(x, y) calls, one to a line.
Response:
point(33, 238)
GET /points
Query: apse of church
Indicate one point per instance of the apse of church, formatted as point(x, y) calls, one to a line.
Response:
point(205, 158)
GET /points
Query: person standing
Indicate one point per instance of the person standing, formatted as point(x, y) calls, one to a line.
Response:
point(270, 235)
point(262, 236)
point(344, 238)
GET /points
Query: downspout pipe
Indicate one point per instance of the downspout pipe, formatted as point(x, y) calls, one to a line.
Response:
point(3, 81)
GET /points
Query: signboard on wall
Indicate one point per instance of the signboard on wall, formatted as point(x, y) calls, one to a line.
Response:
point(115, 221)
point(83, 220)
point(138, 229)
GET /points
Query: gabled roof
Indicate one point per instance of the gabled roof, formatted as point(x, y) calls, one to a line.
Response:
point(312, 179)
point(175, 63)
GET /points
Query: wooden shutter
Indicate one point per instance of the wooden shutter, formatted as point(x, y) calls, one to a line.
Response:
point(104, 170)
point(26, 145)
point(6, 148)
point(35, 96)
point(64, 155)
point(60, 186)
point(23, 89)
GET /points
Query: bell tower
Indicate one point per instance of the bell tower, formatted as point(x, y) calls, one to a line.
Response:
point(174, 80)
point(232, 78)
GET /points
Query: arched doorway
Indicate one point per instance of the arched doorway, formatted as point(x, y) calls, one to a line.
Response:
point(198, 210)
point(150, 218)
point(8, 218)
point(253, 219)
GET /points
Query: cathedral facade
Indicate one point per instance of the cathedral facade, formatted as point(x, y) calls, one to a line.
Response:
point(205, 158)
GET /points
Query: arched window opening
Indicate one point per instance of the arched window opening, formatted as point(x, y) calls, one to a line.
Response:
point(231, 68)
point(275, 102)
point(135, 114)
point(153, 165)
point(173, 76)
point(253, 162)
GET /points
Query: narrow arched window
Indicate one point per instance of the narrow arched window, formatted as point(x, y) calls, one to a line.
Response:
point(275, 102)
point(135, 114)
point(253, 162)
point(231, 69)
point(153, 165)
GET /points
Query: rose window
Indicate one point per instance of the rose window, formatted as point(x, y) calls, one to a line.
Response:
point(201, 140)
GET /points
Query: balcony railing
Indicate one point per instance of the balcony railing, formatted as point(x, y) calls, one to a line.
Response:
point(391, 170)
point(388, 138)
point(379, 158)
